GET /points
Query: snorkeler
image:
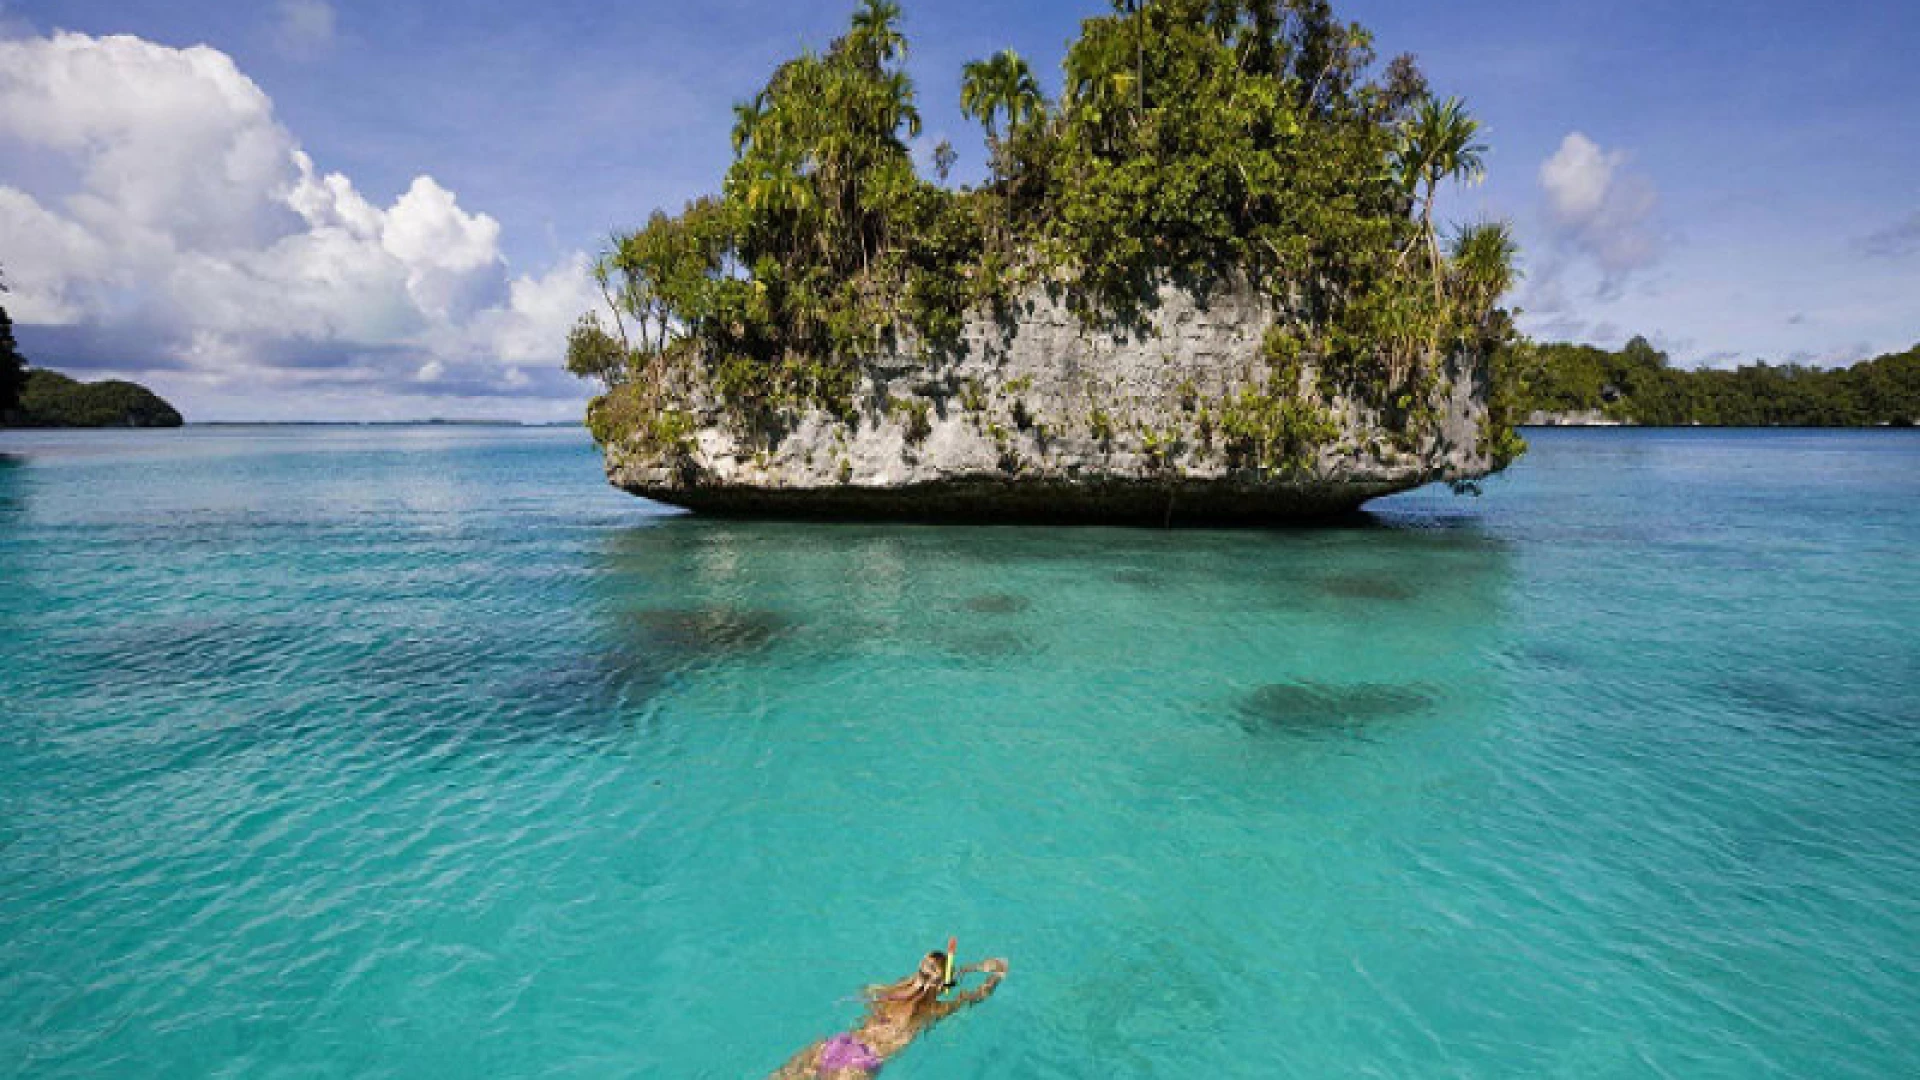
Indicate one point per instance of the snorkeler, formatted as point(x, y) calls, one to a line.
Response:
point(896, 1015)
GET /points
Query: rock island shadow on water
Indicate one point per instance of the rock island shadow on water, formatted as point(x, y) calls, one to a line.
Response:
point(611, 682)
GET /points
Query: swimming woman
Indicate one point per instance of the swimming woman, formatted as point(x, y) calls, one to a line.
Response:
point(896, 1015)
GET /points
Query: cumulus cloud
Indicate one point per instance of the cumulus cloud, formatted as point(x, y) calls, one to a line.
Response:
point(303, 27)
point(196, 232)
point(1600, 212)
point(1899, 240)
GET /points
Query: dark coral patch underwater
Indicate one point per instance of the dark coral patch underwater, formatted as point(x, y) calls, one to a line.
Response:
point(1318, 708)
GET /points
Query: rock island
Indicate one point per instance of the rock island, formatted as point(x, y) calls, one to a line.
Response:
point(1205, 284)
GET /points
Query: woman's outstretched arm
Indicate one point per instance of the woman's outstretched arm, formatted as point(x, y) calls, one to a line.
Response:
point(996, 970)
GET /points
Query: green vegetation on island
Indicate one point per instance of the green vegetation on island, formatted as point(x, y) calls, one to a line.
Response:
point(1636, 385)
point(1202, 143)
point(40, 398)
point(52, 400)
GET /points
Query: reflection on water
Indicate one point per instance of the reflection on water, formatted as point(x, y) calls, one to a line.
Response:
point(701, 632)
point(12, 478)
point(1133, 621)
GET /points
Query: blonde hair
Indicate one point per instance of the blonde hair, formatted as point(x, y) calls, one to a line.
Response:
point(917, 988)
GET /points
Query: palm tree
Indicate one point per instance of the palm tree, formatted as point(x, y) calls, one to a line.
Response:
point(897, 106)
point(1439, 144)
point(778, 187)
point(876, 32)
point(746, 120)
point(1002, 84)
point(1136, 10)
point(1100, 82)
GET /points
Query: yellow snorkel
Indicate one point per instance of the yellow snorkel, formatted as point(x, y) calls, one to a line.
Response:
point(952, 944)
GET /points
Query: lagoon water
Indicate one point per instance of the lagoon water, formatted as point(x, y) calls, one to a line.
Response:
point(421, 752)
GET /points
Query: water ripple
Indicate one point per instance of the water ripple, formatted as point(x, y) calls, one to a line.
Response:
point(341, 753)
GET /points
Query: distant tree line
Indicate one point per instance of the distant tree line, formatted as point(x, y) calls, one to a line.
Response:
point(1637, 385)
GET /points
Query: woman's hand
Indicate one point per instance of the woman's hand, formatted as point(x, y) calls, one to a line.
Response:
point(995, 970)
point(994, 966)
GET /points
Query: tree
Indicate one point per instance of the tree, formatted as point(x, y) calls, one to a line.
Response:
point(875, 35)
point(592, 353)
point(1265, 157)
point(1439, 144)
point(603, 270)
point(13, 366)
point(1483, 258)
point(1001, 85)
point(1638, 385)
point(746, 118)
point(944, 157)
point(1136, 10)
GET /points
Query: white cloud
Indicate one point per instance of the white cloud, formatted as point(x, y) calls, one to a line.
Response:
point(1600, 212)
point(304, 27)
point(173, 139)
point(196, 227)
point(1576, 177)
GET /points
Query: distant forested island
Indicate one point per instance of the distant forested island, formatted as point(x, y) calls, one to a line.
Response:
point(1563, 383)
point(53, 400)
point(42, 399)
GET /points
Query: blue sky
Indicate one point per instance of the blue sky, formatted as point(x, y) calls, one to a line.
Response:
point(1735, 181)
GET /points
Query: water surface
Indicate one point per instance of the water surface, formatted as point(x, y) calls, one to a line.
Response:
point(421, 752)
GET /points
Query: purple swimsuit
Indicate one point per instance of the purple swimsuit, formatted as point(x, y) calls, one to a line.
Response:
point(843, 1051)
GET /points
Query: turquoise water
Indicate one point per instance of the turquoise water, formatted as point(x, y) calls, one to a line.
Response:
point(420, 752)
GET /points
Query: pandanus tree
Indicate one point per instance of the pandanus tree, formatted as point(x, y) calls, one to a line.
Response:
point(1001, 85)
point(1483, 265)
point(1440, 143)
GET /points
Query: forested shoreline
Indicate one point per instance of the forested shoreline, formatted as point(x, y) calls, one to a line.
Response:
point(1637, 384)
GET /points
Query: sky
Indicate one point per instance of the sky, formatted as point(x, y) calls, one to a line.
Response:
point(379, 210)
